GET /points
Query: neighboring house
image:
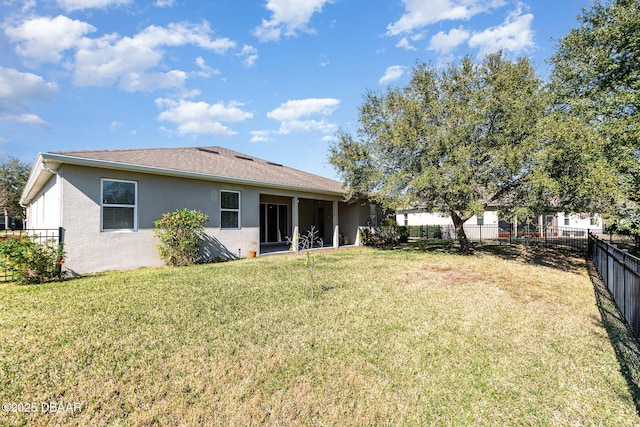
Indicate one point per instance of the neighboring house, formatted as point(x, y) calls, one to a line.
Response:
point(490, 225)
point(9, 223)
point(106, 203)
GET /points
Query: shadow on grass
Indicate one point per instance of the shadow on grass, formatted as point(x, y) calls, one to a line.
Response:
point(529, 254)
point(625, 345)
point(568, 261)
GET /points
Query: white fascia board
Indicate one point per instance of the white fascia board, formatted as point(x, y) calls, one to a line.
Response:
point(34, 182)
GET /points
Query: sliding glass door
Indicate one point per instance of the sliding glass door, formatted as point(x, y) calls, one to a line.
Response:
point(274, 223)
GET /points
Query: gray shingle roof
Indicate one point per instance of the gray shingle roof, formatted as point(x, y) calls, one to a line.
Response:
point(212, 162)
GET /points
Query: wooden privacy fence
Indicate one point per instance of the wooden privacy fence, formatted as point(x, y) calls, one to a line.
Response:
point(41, 235)
point(620, 272)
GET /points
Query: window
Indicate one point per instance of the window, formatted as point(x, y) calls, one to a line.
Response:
point(229, 209)
point(406, 219)
point(119, 205)
point(567, 219)
point(480, 220)
point(593, 220)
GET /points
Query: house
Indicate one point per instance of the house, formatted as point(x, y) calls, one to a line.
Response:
point(106, 203)
point(491, 225)
point(10, 223)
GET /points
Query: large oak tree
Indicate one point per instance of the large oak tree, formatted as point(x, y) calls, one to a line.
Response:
point(596, 84)
point(452, 140)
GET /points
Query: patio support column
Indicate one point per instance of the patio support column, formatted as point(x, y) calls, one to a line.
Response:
point(295, 223)
point(336, 227)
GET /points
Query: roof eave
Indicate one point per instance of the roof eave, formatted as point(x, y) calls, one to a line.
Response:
point(58, 159)
point(37, 179)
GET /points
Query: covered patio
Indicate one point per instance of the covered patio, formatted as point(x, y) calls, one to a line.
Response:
point(284, 219)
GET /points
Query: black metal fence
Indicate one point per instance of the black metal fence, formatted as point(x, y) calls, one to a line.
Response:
point(573, 239)
point(41, 235)
point(620, 272)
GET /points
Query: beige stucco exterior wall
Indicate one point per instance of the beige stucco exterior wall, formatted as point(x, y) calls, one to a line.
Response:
point(350, 217)
point(90, 250)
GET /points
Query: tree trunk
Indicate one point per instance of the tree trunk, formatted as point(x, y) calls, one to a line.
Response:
point(458, 224)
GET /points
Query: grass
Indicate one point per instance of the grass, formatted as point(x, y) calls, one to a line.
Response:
point(403, 337)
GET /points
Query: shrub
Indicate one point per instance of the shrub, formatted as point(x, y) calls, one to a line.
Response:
point(385, 235)
point(32, 261)
point(403, 234)
point(180, 232)
point(435, 231)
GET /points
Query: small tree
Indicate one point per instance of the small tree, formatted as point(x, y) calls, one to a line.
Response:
point(306, 242)
point(180, 232)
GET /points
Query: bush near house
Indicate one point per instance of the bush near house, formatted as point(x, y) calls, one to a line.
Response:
point(32, 261)
point(180, 232)
point(389, 233)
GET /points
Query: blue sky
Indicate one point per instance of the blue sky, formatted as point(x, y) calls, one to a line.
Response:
point(270, 78)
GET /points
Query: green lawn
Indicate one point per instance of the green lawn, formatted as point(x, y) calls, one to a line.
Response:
point(403, 337)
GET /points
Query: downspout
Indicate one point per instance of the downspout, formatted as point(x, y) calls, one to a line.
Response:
point(53, 171)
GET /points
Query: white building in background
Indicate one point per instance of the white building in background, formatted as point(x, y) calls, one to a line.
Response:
point(490, 225)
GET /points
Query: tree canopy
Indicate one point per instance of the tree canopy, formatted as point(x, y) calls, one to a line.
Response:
point(13, 177)
point(458, 139)
point(596, 88)
point(453, 140)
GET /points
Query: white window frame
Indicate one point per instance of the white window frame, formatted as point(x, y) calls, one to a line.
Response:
point(111, 205)
point(239, 210)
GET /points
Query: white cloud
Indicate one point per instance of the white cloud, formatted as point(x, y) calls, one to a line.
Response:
point(205, 70)
point(291, 113)
point(165, 3)
point(393, 73)
point(18, 90)
point(261, 136)
point(196, 118)
point(420, 13)
point(445, 42)
point(250, 55)
point(71, 5)
point(295, 109)
point(514, 35)
point(148, 82)
point(405, 44)
point(27, 119)
point(16, 86)
point(45, 39)
point(108, 59)
point(288, 17)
